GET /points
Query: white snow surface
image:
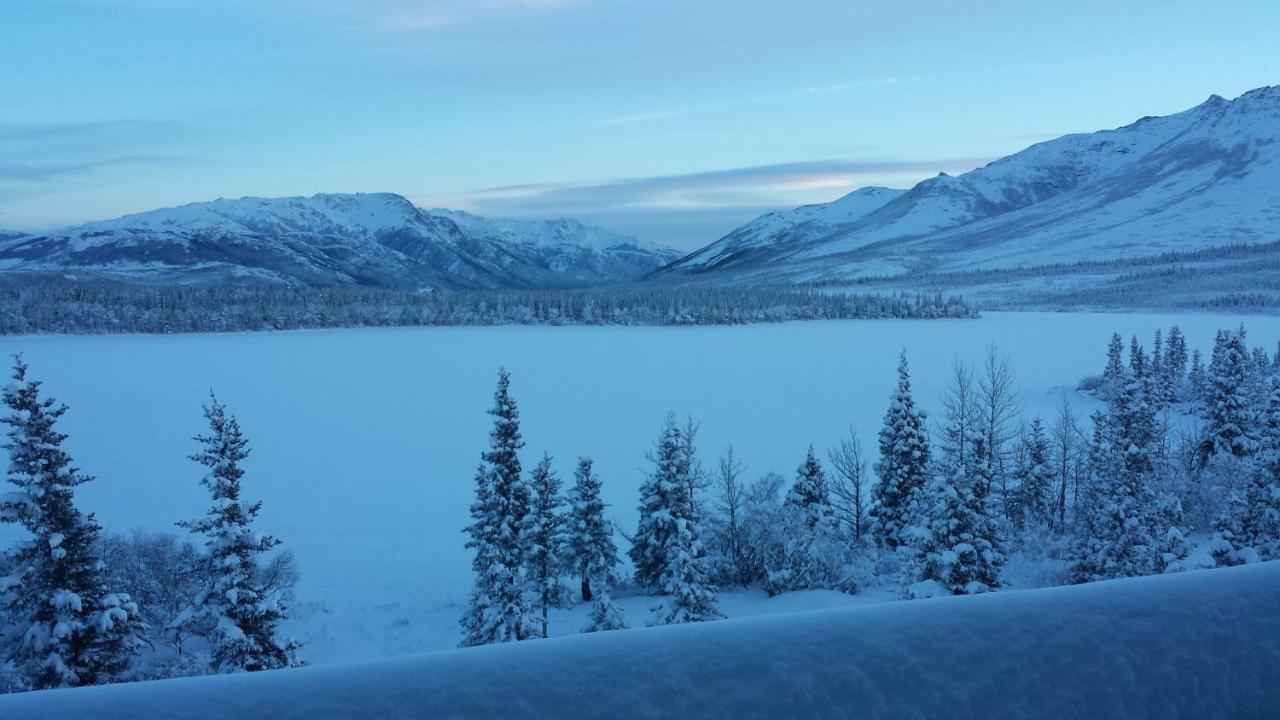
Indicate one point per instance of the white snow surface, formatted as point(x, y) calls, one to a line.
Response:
point(1202, 644)
point(365, 441)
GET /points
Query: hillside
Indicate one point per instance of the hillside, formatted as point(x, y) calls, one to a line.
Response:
point(369, 240)
point(1203, 644)
point(1204, 178)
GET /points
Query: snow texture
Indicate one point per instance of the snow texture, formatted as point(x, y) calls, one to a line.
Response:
point(1202, 644)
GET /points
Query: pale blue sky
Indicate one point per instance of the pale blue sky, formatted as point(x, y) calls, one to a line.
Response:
point(672, 120)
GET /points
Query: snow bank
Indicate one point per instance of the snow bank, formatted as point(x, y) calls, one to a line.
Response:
point(1201, 644)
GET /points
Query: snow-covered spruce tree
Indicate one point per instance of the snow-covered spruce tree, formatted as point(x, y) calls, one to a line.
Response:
point(805, 552)
point(605, 614)
point(1260, 526)
point(1159, 390)
point(239, 621)
point(543, 540)
point(811, 495)
point(1118, 531)
point(951, 549)
point(1230, 423)
point(1197, 382)
point(498, 609)
point(59, 627)
point(1175, 364)
point(667, 549)
point(1114, 374)
point(1031, 504)
point(662, 495)
point(903, 467)
point(590, 552)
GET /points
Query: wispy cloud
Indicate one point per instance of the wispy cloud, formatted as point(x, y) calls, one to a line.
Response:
point(791, 95)
point(690, 209)
point(36, 156)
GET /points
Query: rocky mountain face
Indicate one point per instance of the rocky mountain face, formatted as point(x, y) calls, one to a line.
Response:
point(375, 240)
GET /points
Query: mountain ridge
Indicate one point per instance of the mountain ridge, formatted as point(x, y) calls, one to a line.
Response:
point(335, 239)
point(1207, 176)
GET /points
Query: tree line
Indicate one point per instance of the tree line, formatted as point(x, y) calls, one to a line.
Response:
point(1181, 446)
point(56, 305)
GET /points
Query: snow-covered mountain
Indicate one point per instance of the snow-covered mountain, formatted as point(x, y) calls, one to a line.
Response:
point(1205, 177)
point(376, 240)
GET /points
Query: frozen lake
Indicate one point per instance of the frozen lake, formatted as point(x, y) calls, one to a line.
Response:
point(365, 441)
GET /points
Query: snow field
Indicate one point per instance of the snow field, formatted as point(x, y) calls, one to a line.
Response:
point(1202, 644)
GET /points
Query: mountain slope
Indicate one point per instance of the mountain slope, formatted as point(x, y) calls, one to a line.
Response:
point(1206, 177)
point(378, 240)
point(1202, 644)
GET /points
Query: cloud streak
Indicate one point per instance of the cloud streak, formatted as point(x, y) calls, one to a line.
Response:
point(694, 208)
point(792, 95)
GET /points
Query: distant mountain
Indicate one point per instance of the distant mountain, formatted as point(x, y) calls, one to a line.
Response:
point(1206, 177)
point(375, 240)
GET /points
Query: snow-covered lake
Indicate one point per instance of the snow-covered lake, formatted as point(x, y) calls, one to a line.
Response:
point(365, 441)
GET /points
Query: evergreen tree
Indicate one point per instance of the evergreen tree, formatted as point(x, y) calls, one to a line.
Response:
point(805, 553)
point(1175, 364)
point(667, 550)
point(1032, 503)
point(543, 537)
point(1112, 529)
point(498, 609)
point(953, 548)
point(810, 493)
point(590, 551)
point(1260, 526)
point(1196, 380)
point(1230, 424)
point(65, 629)
point(605, 614)
point(903, 465)
point(1113, 376)
point(239, 620)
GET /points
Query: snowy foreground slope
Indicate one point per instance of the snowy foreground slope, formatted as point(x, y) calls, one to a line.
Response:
point(1202, 644)
point(1205, 177)
point(377, 240)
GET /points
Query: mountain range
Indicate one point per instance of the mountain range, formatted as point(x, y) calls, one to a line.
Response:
point(374, 240)
point(1062, 220)
point(1205, 177)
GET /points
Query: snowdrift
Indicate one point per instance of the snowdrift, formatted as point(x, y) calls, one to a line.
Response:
point(1202, 644)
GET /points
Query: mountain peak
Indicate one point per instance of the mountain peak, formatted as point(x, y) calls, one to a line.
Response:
point(1205, 177)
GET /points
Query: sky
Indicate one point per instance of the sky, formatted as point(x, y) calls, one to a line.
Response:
point(673, 121)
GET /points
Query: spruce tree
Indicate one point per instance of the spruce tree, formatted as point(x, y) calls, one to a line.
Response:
point(903, 465)
point(1113, 376)
point(590, 551)
point(1230, 422)
point(238, 619)
point(1032, 502)
point(605, 614)
point(662, 495)
point(667, 549)
point(498, 608)
point(806, 553)
point(1196, 380)
point(811, 495)
point(953, 549)
point(1260, 526)
point(543, 540)
point(1175, 364)
point(1113, 530)
point(64, 628)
